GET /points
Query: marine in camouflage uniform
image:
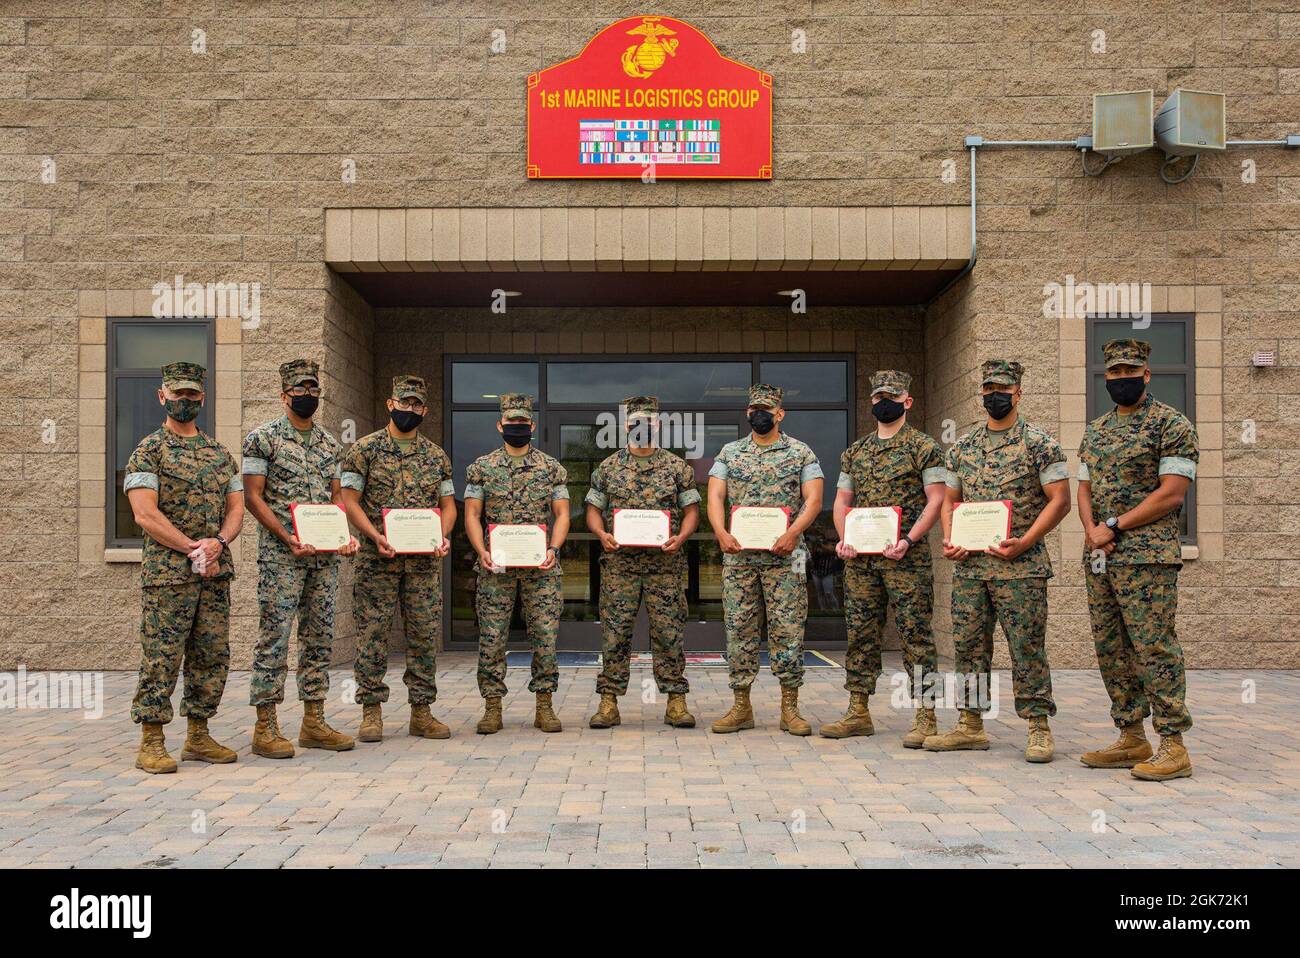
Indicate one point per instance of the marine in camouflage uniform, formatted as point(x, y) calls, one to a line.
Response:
point(630, 575)
point(1133, 587)
point(293, 468)
point(883, 472)
point(387, 472)
point(1014, 464)
point(186, 614)
point(758, 585)
point(517, 490)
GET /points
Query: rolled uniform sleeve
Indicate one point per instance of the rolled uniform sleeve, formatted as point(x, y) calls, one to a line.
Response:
point(559, 489)
point(1050, 460)
point(473, 481)
point(688, 492)
point(236, 484)
point(930, 463)
point(845, 480)
point(596, 493)
point(141, 471)
point(812, 469)
point(951, 479)
point(447, 487)
point(719, 468)
point(257, 453)
point(1179, 451)
point(353, 470)
point(1084, 475)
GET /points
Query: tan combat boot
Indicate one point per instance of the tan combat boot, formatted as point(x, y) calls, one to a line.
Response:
point(491, 720)
point(856, 721)
point(1040, 747)
point(199, 746)
point(675, 714)
point(607, 715)
point(791, 720)
point(372, 723)
point(924, 724)
point(153, 757)
point(546, 719)
point(740, 716)
point(1171, 761)
point(425, 725)
point(317, 733)
point(969, 734)
point(1131, 749)
point(267, 740)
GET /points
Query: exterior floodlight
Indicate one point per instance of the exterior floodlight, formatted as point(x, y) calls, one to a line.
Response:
point(1191, 121)
point(1121, 123)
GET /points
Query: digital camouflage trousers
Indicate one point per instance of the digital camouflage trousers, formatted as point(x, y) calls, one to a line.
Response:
point(494, 603)
point(621, 595)
point(189, 623)
point(1020, 606)
point(285, 591)
point(1132, 609)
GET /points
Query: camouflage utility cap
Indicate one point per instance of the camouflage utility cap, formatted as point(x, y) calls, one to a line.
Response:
point(410, 387)
point(1126, 352)
point(516, 406)
point(1001, 372)
point(183, 376)
point(761, 394)
point(298, 371)
point(641, 405)
point(890, 381)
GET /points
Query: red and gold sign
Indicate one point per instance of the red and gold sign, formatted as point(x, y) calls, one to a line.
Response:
point(650, 96)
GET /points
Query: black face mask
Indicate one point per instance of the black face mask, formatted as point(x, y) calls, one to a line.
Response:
point(304, 407)
point(761, 421)
point(182, 410)
point(998, 405)
point(1126, 391)
point(517, 434)
point(887, 410)
point(404, 419)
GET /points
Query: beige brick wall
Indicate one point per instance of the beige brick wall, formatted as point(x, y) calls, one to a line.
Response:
point(219, 166)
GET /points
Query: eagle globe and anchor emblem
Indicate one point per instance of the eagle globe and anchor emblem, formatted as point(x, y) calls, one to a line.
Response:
point(642, 60)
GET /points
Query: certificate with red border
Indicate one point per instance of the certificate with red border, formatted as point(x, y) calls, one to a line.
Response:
point(323, 525)
point(978, 526)
point(517, 546)
point(414, 531)
point(873, 529)
point(642, 527)
point(758, 527)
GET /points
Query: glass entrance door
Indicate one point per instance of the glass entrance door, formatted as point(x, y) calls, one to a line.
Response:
point(580, 441)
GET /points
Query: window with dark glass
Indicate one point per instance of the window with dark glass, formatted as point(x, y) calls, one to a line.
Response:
point(1173, 376)
point(137, 351)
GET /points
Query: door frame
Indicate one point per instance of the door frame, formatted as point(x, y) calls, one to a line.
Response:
point(556, 412)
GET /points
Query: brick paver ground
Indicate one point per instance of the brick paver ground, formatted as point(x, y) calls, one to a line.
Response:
point(646, 795)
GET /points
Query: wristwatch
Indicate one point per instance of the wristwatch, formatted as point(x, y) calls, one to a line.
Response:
point(222, 539)
point(553, 549)
point(1113, 525)
point(909, 540)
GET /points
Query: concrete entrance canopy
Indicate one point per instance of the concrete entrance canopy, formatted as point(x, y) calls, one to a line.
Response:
point(649, 256)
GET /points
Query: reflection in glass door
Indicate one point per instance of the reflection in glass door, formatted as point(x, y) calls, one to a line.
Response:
point(573, 438)
point(709, 393)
